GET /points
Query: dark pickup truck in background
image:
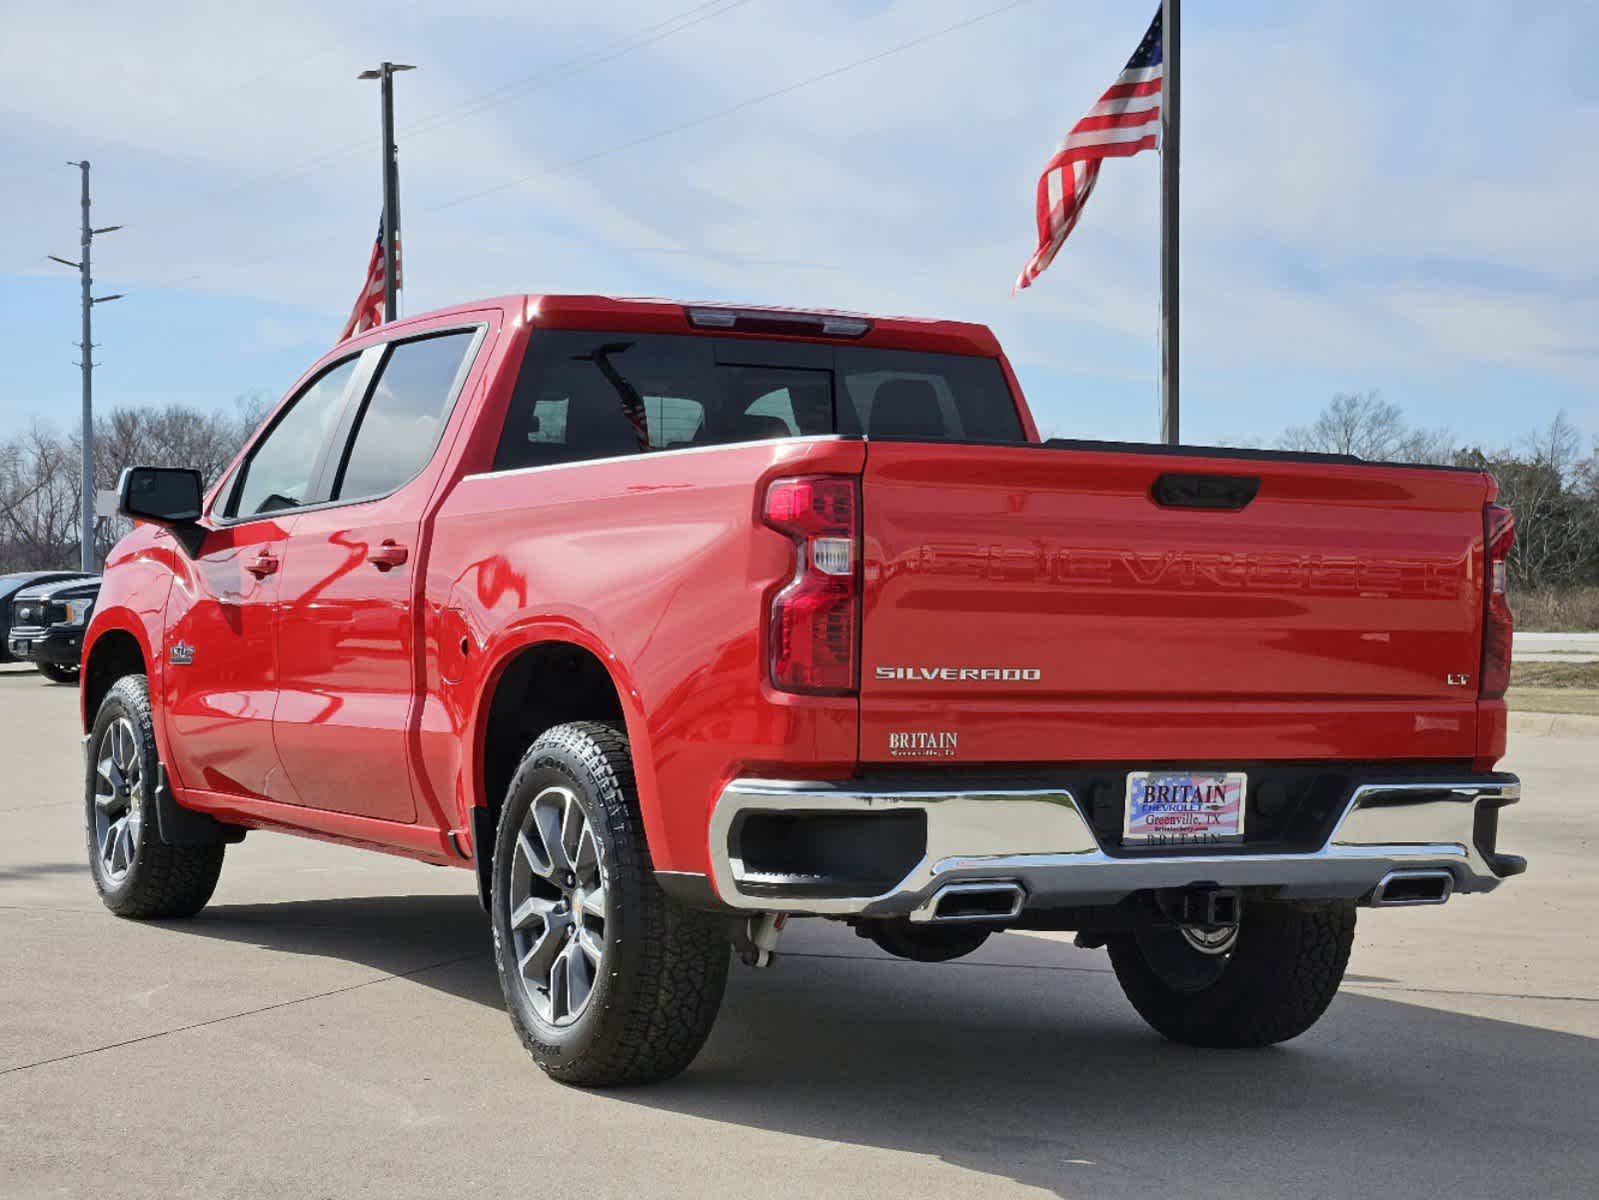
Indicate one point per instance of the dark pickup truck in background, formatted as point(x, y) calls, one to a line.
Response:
point(46, 620)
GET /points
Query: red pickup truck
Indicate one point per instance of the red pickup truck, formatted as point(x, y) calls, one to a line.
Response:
point(674, 621)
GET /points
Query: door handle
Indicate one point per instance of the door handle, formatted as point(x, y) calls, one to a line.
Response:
point(389, 554)
point(262, 565)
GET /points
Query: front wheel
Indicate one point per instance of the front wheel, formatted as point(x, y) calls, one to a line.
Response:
point(136, 874)
point(58, 674)
point(607, 979)
point(1265, 983)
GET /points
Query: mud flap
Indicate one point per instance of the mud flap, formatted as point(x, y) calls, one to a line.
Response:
point(483, 853)
point(179, 826)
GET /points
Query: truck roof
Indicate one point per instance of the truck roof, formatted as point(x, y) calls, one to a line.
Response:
point(654, 315)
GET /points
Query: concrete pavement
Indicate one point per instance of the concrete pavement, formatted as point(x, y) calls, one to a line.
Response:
point(1555, 647)
point(332, 1026)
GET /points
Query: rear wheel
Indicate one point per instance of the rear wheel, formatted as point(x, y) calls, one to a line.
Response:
point(136, 874)
point(1265, 982)
point(607, 979)
point(58, 674)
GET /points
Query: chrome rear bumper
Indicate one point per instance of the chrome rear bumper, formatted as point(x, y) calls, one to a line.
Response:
point(1041, 839)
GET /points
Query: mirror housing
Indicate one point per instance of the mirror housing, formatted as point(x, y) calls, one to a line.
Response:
point(166, 496)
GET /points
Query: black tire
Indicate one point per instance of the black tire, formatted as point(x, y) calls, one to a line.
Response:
point(58, 674)
point(924, 943)
point(160, 881)
point(1275, 983)
point(659, 982)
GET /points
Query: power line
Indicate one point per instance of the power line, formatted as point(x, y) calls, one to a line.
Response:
point(740, 106)
point(565, 69)
point(679, 127)
point(647, 36)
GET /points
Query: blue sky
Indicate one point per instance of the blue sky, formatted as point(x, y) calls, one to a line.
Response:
point(1376, 196)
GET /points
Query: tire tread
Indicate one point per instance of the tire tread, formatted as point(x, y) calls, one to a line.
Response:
point(166, 881)
point(661, 1016)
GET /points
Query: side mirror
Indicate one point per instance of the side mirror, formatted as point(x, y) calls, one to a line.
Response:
point(165, 495)
point(168, 496)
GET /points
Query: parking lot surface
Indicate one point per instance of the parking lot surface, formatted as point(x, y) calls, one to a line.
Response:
point(332, 1026)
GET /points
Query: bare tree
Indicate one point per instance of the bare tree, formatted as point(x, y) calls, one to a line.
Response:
point(1369, 427)
point(38, 501)
point(39, 472)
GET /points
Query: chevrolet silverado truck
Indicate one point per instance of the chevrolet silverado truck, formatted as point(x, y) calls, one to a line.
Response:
point(673, 622)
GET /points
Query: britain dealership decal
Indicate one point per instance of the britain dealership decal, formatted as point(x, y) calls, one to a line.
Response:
point(922, 743)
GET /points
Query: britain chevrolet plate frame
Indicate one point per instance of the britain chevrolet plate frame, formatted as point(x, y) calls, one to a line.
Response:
point(1184, 808)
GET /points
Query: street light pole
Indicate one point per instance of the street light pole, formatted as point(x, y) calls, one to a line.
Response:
point(86, 278)
point(391, 187)
point(86, 530)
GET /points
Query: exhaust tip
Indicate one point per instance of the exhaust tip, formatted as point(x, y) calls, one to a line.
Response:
point(1404, 889)
point(977, 902)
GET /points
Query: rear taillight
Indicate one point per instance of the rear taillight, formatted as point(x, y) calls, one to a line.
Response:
point(812, 629)
point(1499, 534)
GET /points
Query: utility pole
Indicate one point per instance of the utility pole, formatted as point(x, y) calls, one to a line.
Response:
point(1171, 122)
point(391, 187)
point(86, 531)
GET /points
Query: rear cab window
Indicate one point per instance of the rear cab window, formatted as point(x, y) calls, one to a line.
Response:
point(584, 395)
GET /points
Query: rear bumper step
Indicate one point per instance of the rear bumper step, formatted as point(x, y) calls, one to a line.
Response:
point(985, 854)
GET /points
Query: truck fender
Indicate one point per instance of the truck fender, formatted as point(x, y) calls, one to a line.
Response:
point(502, 651)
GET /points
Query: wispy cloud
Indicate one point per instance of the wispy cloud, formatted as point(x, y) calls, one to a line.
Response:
point(1359, 198)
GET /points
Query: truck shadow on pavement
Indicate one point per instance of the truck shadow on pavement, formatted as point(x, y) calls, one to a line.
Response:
point(1024, 1062)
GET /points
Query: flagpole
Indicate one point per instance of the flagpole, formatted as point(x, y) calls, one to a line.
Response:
point(1171, 120)
point(391, 197)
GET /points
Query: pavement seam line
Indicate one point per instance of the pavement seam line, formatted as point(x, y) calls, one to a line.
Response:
point(1383, 987)
point(1402, 987)
point(150, 1037)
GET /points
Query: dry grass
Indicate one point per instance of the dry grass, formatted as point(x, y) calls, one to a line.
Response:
point(1555, 675)
point(1553, 700)
point(1557, 610)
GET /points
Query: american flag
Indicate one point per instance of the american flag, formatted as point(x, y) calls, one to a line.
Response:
point(1125, 121)
point(368, 310)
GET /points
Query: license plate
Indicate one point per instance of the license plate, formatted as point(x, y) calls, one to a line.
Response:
point(1184, 808)
point(21, 648)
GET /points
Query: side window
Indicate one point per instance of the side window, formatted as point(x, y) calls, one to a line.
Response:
point(281, 468)
point(404, 414)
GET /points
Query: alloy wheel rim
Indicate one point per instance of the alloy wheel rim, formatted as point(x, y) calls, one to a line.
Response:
point(118, 799)
point(558, 900)
point(1211, 941)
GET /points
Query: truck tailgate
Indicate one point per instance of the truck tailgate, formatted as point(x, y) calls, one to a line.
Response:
point(1037, 604)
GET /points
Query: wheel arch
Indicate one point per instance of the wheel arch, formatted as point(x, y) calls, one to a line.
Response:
point(544, 678)
point(118, 647)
